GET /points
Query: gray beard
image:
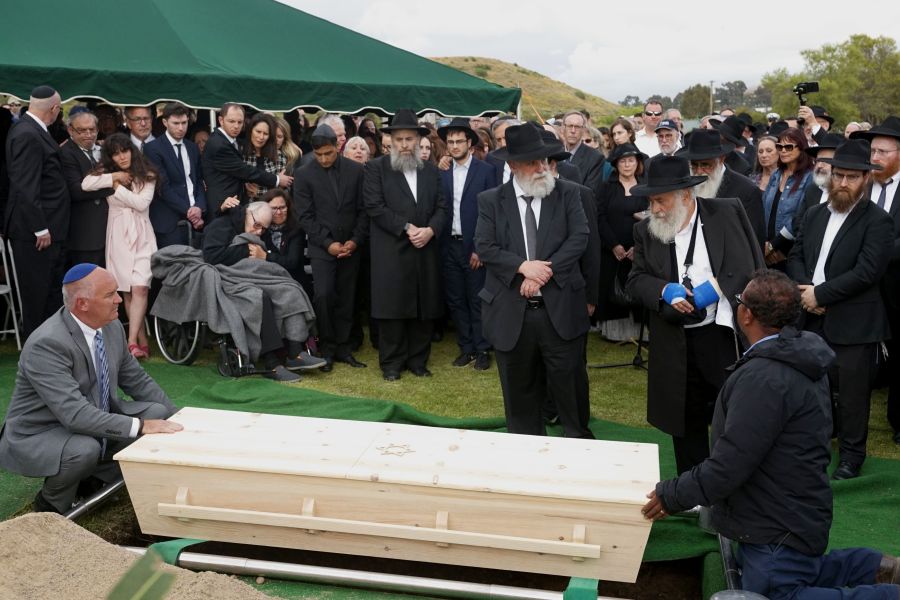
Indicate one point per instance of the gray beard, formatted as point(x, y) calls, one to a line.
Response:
point(710, 187)
point(821, 178)
point(665, 229)
point(539, 186)
point(400, 162)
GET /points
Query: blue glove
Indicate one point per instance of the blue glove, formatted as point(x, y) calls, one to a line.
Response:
point(674, 291)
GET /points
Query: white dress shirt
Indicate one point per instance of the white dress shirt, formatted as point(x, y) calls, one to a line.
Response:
point(89, 334)
point(888, 195)
point(141, 143)
point(834, 225)
point(460, 172)
point(187, 165)
point(700, 272)
point(506, 172)
point(535, 206)
point(412, 178)
point(646, 142)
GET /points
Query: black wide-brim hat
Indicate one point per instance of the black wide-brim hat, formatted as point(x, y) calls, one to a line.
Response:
point(404, 118)
point(705, 144)
point(829, 141)
point(820, 113)
point(667, 174)
point(525, 142)
point(853, 155)
point(623, 150)
point(458, 124)
point(732, 129)
point(890, 127)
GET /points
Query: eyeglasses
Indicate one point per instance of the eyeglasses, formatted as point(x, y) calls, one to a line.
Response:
point(740, 300)
point(785, 147)
point(651, 113)
point(84, 130)
point(15, 104)
point(461, 142)
point(256, 224)
point(139, 119)
point(276, 209)
point(573, 126)
point(706, 165)
point(850, 177)
point(882, 152)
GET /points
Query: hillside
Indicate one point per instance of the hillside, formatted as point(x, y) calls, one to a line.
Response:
point(547, 95)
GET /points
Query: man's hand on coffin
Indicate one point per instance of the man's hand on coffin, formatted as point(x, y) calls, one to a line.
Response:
point(160, 426)
point(654, 509)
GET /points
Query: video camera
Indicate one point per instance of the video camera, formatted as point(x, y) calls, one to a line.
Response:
point(803, 88)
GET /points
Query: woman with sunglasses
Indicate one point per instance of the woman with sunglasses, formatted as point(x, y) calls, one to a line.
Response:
point(784, 193)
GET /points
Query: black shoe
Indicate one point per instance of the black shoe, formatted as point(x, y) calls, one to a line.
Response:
point(482, 361)
point(420, 372)
point(391, 376)
point(90, 486)
point(350, 360)
point(846, 470)
point(897, 438)
point(281, 374)
point(464, 359)
point(328, 367)
point(40, 504)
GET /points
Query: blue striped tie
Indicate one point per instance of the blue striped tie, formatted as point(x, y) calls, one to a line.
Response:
point(103, 376)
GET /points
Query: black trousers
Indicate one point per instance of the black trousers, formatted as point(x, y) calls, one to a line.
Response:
point(853, 375)
point(710, 350)
point(176, 237)
point(334, 300)
point(542, 361)
point(461, 287)
point(75, 257)
point(404, 343)
point(893, 370)
point(40, 275)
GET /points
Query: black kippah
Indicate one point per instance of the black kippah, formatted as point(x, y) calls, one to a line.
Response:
point(42, 91)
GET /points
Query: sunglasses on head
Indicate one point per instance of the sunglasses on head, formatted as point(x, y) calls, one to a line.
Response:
point(785, 147)
point(651, 113)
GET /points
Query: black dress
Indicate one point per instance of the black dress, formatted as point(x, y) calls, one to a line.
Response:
point(615, 216)
point(287, 247)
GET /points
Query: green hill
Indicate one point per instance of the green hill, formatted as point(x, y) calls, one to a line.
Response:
point(539, 92)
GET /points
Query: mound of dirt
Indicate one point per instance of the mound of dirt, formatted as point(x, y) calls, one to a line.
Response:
point(45, 556)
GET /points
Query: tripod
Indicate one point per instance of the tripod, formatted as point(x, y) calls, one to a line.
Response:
point(638, 361)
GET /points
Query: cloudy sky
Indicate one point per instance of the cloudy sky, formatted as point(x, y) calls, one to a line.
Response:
point(641, 48)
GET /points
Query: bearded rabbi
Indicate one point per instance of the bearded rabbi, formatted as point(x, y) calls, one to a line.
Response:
point(692, 257)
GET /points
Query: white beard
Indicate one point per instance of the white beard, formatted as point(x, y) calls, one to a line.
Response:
point(539, 186)
point(665, 228)
point(710, 187)
point(821, 177)
point(400, 162)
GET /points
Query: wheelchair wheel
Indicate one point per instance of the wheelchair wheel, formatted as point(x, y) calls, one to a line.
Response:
point(228, 364)
point(179, 343)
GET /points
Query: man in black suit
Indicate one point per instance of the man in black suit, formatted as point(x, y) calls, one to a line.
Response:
point(329, 202)
point(407, 210)
point(707, 154)
point(838, 260)
point(139, 121)
point(885, 192)
point(818, 193)
point(37, 211)
point(224, 169)
point(530, 236)
point(740, 159)
point(181, 195)
point(688, 243)
point(86, 242)
point(588, 160)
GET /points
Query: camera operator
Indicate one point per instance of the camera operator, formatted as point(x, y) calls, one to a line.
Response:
point(815, 120)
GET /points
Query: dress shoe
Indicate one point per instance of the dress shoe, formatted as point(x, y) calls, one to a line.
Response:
point(482, 361)
point(391, 376)
point(281, 374)
point(304, 362)
point(328, 367)
point(888, 570)
point(90, 486)
point(350, 360)
point(420, 372)
point(464, 359)
point(846, 470)
point(40, 504)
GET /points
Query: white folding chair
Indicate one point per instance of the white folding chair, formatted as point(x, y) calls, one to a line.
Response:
point(6, 290)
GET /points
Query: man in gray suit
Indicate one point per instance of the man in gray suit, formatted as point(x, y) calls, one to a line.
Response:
point(65, 419)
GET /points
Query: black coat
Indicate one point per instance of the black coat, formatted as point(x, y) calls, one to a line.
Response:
point(562, 238)
point(590, 163)
point(225, 172)
point(735, 161)
point(735, 185)
point(766, 476)
point(289, 253)
point(406, 281)
point(327, 218)
point(89, 210)
point(853, 270)
point(590, 259)
point(217, 237)
point(615, 218)
point(811, 197)
point(38, 193)
point(734, 254)
point(890, 286)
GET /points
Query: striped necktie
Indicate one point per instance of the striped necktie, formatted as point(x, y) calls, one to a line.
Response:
point(102, 365)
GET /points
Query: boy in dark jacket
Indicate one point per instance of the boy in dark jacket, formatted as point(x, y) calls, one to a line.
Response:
point(766, 478)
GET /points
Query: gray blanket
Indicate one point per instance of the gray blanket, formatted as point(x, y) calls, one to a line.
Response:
point(229, 299)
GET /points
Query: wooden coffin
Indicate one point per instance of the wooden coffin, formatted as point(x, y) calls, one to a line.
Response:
point(523, 503)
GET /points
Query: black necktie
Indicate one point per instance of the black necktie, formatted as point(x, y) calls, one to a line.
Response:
point(530, 229)
point(90, 155)
point(881, 196)
point(180, 160)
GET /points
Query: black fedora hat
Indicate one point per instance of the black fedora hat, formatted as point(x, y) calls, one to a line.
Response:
point(732, 129)
point(623, 150)
point(890, 127)
point(524, 142)
point(458, 124)
point(821, 113)
point(667, 174)
point(559, 151)
point(829, 141)
point(853, 155)
point(777, 128)
point(705, 144)
point(404, 118)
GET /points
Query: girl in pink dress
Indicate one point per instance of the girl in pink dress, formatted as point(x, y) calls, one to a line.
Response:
point(130, 240)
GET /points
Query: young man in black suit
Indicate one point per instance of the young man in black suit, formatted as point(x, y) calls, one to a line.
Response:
point(181, 195)
point(37, 211)
point(839, 259)
point(328, 200)
point(530, 235)
point(86, 242)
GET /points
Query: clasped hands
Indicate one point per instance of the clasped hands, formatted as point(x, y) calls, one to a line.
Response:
point(339, 250)
point(419, 236)
point(537, 273)
point(195, 217)
point(808, 300)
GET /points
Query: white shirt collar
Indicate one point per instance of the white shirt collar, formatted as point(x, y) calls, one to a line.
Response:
point(173, 141)
point(39, 122)
point(227, 137)
point(85, 329)
point(516, 188)
point(465, 165)
point(687, 228)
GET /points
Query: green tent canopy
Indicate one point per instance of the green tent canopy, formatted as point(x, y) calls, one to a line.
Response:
point(206, 52)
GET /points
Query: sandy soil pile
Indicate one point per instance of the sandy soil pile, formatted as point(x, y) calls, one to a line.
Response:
point(45, 556)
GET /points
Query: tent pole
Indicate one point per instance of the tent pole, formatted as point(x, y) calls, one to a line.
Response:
point(212, 120)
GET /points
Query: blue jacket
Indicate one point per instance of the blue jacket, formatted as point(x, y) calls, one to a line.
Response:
point(788, 204)
point(481, 177)
point(171, 203)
